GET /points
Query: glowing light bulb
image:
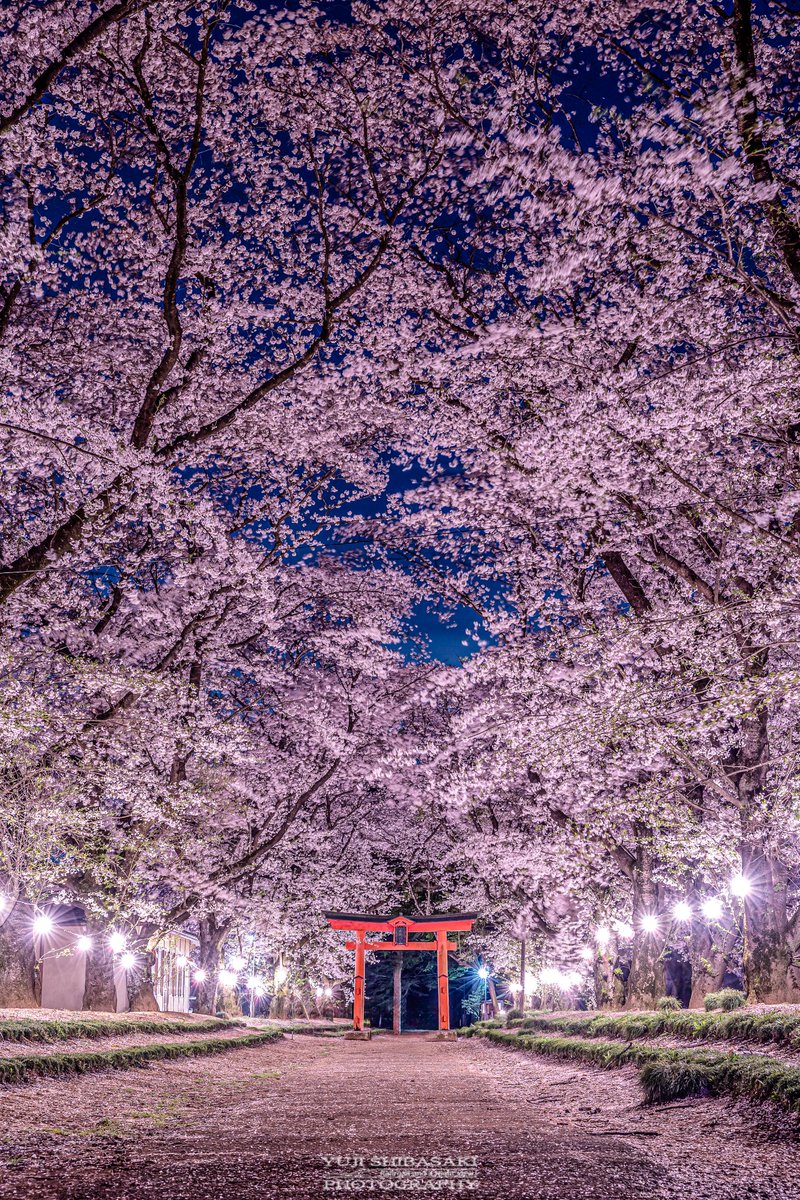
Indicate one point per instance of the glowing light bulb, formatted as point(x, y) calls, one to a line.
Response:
point(328, 993)
point(483, 972)
point(682, 911)
point(587, 953)
point(128, 961)
point(42, 925)
point(514, 988)
point(259, 989)
point(237, 962)
point(549, 975)
point(117, 942)
point(649, 923)
point(200, 976)
point(602, 935)
point(712, 908)
point(84, 944)
point(318, 991)
point(740, 886)
point(181, 960)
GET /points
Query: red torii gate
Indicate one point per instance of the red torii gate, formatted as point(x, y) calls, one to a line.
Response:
point(399, 928)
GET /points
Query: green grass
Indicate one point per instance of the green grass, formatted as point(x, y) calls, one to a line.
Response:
point(99, 1027)
point(23, 1067)
point(777, 1027)
point(667, 1074)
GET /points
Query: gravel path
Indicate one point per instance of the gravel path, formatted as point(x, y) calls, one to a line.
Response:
point(258, 1123)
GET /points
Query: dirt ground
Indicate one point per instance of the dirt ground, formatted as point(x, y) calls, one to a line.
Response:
point(273, 1120)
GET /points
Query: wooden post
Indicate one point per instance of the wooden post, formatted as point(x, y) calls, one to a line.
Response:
point(358, 990)
point(444, 982)
point(398, 994)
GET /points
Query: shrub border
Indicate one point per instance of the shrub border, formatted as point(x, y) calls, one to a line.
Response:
point(667, 1074)
point(24, 1067)
point(56, 1030)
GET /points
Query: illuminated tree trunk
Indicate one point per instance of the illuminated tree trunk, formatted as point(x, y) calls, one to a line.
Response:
point(141, 993)
point(18, 969)
point(212, 938)
point(771, 958)
point(646, 979)
point(771, 965)
point(710, 948)
point(100, 991)
point(608, 989)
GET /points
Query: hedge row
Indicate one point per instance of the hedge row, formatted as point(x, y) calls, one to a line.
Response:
point(667, 1074)
point(32, 1030)
point(778, 1027)
point(17, 1070)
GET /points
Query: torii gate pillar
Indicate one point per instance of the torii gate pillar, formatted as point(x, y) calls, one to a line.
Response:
point(398, 929)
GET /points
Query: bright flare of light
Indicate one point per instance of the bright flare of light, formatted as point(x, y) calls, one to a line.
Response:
point(181, 960)
point(227, 978)
point(42, 925)
point(550, 975)
point(587, 952)
point(530, 983)
point(514, 988)
point(602, 935)
point(237, 962)
point(712, 908)
point(253, 982)
point(117, 942)
point(682, 911)
point(84, 944)
point(259, 989)
point(318, 991)
point(741, 886)
point(649, 923)
point(329, 992)
point(624, 929)
point(572, 978)
point(281, 974)
point(128, 961)
point(200, 975)
point(483, 972)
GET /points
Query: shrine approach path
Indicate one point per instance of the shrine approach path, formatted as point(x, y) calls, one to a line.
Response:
point(271, 1121)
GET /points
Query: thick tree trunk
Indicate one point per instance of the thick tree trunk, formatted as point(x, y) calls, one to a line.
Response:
point(771, 959)
point(228, 1002)
point(18, 967)
point(141, 994)
point(771, 966)
point(646, 981)
point(608, 988)
point(397, 993)
point(212, 938)
point(709, 952)
point(100, 992)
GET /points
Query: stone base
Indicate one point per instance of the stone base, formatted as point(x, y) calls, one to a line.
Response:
point(359, 1035)
point(447, 1035)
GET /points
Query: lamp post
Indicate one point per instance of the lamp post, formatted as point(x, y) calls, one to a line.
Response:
point(483, 973)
